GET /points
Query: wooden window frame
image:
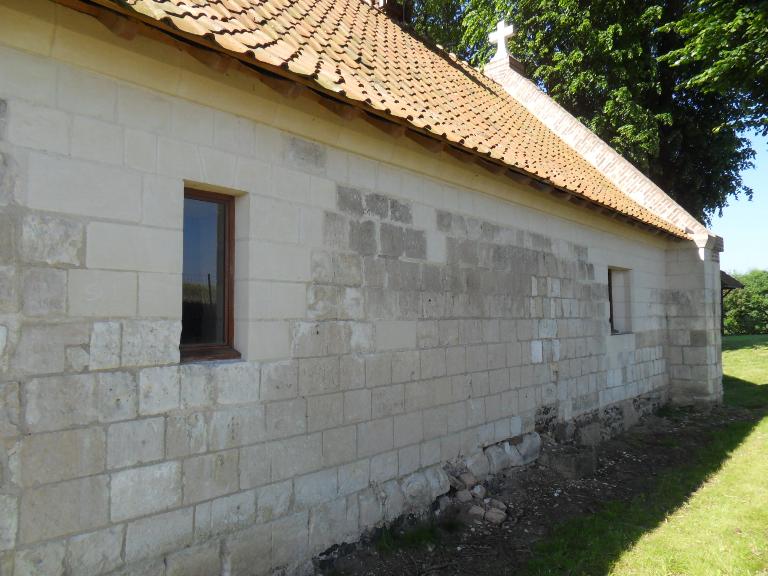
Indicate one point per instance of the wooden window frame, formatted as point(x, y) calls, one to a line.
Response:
point(225, 351)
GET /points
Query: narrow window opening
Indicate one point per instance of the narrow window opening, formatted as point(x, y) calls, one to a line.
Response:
point(207, 319)
point(619, 301)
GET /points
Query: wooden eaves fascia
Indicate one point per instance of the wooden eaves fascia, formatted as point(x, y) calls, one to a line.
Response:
point(127, 24)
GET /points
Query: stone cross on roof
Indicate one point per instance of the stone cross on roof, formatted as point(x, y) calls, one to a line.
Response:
point(499, 37)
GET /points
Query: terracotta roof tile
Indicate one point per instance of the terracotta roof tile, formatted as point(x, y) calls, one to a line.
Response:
point(349, 47)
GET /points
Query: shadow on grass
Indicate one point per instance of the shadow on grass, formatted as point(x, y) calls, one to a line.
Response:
point(590, 545)
point(738, 392)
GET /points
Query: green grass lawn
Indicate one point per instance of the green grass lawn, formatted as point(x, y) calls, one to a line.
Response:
point(706, 518)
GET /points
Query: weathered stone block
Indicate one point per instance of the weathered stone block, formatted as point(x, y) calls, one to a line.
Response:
point(9, 520)
point(237, 426)
point(59, 456)
point(318, 375)
point(349, 200)
point(415, 244)
point(225, 514)
point(158, 534)
point(295, 456)
point(377, 205)
point(339, 445)
point(45, 559)
point(304, 154)
point(196, 386)
point(236, 382)
point(10, 409)
point(60, 402)
point(325, 411)
point(286, 418)
point(159, 390)
point(147, 343)
point(136, 442)
point(400, 211)
point(202, 560)
point(95, 553)
point(254, 466)
point(130, 496)
point(279, 380)
point(478, 465)
point(335, 230)
point(42, 348)
point(53, 241)
point(392, 240)
point(362, 237)
point(105, 345)
point(353, 477)
point(290, 541)
point(357, 406)
point(315, 488)
point(375, 437)
point(273, 501)
point(44, 292)
point(250, 551)
point(186, 434)
point(210, 475)
point(61, 509)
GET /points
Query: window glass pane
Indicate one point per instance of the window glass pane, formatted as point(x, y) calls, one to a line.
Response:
point(203, 291)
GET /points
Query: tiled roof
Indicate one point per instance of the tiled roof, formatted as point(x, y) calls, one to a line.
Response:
point(351, 49)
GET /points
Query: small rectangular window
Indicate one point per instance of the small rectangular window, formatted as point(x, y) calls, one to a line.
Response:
point(207, 317)
point(619, 302)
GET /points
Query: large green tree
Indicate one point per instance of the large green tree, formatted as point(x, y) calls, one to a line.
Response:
point(605, 62)
point(746, 310)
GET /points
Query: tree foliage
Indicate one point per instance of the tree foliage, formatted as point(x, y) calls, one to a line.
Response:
point(746, 310)
point(729, 38)
point(607, 63)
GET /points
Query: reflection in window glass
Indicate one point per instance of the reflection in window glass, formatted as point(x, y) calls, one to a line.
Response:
point(203, 290)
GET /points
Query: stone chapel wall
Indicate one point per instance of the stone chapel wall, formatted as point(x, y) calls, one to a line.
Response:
point(389, 322)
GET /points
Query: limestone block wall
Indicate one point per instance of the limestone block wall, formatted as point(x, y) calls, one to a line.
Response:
point(389, 321)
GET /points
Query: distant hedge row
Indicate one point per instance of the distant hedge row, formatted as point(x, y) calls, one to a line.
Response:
point(746, 309)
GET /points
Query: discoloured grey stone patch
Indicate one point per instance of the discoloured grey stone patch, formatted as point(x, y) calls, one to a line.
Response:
point(392, 240)
point(362, 237)
point(334, 230)
point(377, 205)
point(400, 211)
point(305, 154)
point(350, 200)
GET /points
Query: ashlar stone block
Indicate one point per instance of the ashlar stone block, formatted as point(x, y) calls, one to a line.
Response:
point(95, 553)
point(210, 475)
point(159, 390)
point(45, 559)
point(60, 509)
point(158, 534)
point(64, 455)
point(44, 292)
point(105, 345)
point(135, 442)
point(141, 491)
point(9, 519)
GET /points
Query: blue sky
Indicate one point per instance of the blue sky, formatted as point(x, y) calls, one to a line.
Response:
point(744, 225)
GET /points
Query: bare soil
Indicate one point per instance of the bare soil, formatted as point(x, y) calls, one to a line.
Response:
point(538, 497)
